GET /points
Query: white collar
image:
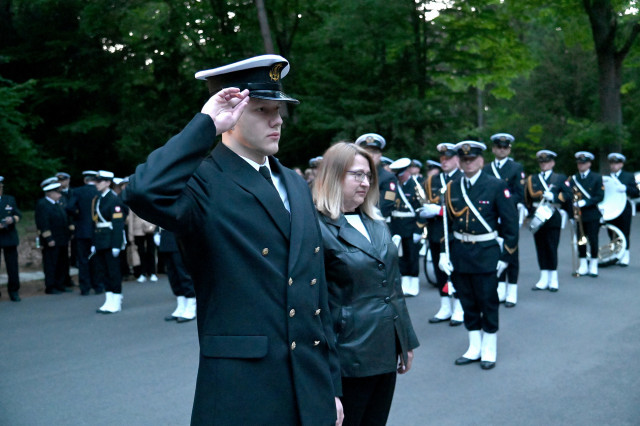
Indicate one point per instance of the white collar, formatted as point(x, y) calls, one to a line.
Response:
point(256, 165)
point(473, 179)
point(500, 163)
point(50, 200)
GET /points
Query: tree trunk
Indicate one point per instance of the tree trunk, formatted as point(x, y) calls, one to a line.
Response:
point(264, 27)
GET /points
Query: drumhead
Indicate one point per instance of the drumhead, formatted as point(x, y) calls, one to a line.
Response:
point(614, 201)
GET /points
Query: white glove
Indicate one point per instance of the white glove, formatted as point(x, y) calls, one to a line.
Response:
point(93, 249)
point(622, 188)
point(502, 265)
point(427, 211)
point(548, 195)
point(580, 203)
point(115, 252)
point(417, 238)
point(156, 239)
point(522, 213)
point(444, 264)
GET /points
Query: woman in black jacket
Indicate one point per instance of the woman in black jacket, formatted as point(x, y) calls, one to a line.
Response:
point(375, 338)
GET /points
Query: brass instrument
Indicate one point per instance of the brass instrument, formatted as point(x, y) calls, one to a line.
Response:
point(422, 197)
point(611, 252)
point(581, 239)
point(577, 215)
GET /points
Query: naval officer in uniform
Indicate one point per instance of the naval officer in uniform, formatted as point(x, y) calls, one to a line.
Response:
point(450, 307)
point(108, 241)
point(475, 202)
point(505, 168)
point(550, 188)
point(589, 191)
point(374, 143)
point(628, 185)
point(249, 233)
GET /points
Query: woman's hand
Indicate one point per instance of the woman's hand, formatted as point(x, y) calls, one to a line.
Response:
point(405, 367)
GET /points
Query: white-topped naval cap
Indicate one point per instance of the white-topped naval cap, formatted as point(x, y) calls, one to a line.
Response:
point(616, 156)
point(584, 156)
point(373, 140)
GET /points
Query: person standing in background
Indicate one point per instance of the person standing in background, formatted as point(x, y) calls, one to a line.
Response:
point(628, 185)
point(141, 235)
point(9, 216)
point(179, 279)
point(53, 228)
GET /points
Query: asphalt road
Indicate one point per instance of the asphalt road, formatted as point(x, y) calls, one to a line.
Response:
point(569, 358)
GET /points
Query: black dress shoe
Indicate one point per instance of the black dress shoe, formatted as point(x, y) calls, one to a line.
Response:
point(487, 365)
point(14, 296)
point(182, 319)
point(52, 291)
point(436, 320)
point(509, 304)
point(170, 318)
point(98, 290)
point(534, 288)
point(593, 275)
point(85, 293)
point(465, 361)
point(553, 290)
point(454, 323)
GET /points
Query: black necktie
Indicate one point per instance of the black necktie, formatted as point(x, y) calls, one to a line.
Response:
point(468, 182)
point(497, 165)
point(264, 171)
point(583, 175)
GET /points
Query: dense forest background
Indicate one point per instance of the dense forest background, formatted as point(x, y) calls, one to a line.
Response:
point(99, 84)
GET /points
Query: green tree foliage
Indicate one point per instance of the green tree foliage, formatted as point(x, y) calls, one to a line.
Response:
point(100, 83)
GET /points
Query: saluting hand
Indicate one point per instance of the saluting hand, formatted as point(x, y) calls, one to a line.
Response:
point(225, 107)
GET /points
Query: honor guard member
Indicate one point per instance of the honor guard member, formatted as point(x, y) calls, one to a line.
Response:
point(53, 229)
point(404, 222)
point(629, 186)
point(433, 168)
point(80, 208)
point(433, 213)
point(249, 233)
point(179, 278)
point(9, 216)
point(548, 188)
point(588, 191)
point(505, 168)
point(387, 181)
point(415, 169)
point(385, 162)
point(475, 203)
point(108, 241)
point(64, 180)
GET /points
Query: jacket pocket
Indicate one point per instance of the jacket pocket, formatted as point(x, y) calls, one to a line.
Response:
point(247, 347)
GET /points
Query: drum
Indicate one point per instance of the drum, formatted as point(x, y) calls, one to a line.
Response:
point(542, 214)
point(614, 200)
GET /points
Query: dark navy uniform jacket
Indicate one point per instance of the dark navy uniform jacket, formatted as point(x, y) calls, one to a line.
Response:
point(267, 348)
point(406, 226)
point(512, 173)
point(52, 223)
point(492, 199)
point(79, 208)
point(387, 184)
point(594, 187)
point(562, 196)
point(9, 234)
point(432, 187)
point(111, 210)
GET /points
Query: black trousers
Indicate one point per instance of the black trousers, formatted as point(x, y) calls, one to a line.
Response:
point(147, 252)
point(86, 273)
point(410, 261)
point(623, 223)
point(510, 274)
point(55, 261)
point(107, 270)
point(441, 277)
point(547, 240)
point(478, 295)
point(591, 229)
point(11, 263)
point(179, 279)
point(367, 400)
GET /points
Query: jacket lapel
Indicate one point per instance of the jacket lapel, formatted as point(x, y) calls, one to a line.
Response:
point(250, 179)
point(353, 237)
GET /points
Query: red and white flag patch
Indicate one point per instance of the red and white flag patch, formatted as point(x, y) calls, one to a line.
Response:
point(117, 209)
point(392, 186)
point(507, 194)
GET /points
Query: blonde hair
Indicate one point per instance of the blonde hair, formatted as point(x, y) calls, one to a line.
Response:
point(327, 188)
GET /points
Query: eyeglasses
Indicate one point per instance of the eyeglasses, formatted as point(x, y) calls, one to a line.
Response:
point(360, 175)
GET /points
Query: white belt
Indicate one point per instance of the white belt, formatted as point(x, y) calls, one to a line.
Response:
point(468, 238)
point(536, 204)
point(402, 214)
point(104, 225)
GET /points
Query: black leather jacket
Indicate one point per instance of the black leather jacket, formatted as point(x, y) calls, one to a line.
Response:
point(365, 297)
